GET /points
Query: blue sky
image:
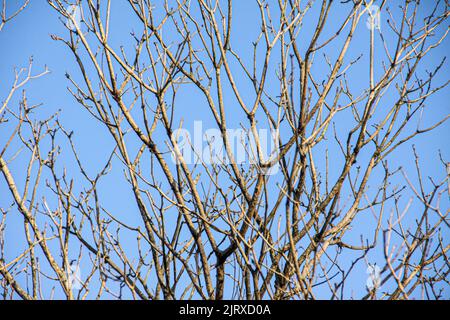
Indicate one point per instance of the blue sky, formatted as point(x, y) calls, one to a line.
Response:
point(29, 36)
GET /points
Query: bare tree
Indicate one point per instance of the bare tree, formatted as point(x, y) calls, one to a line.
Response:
point(295, 224)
